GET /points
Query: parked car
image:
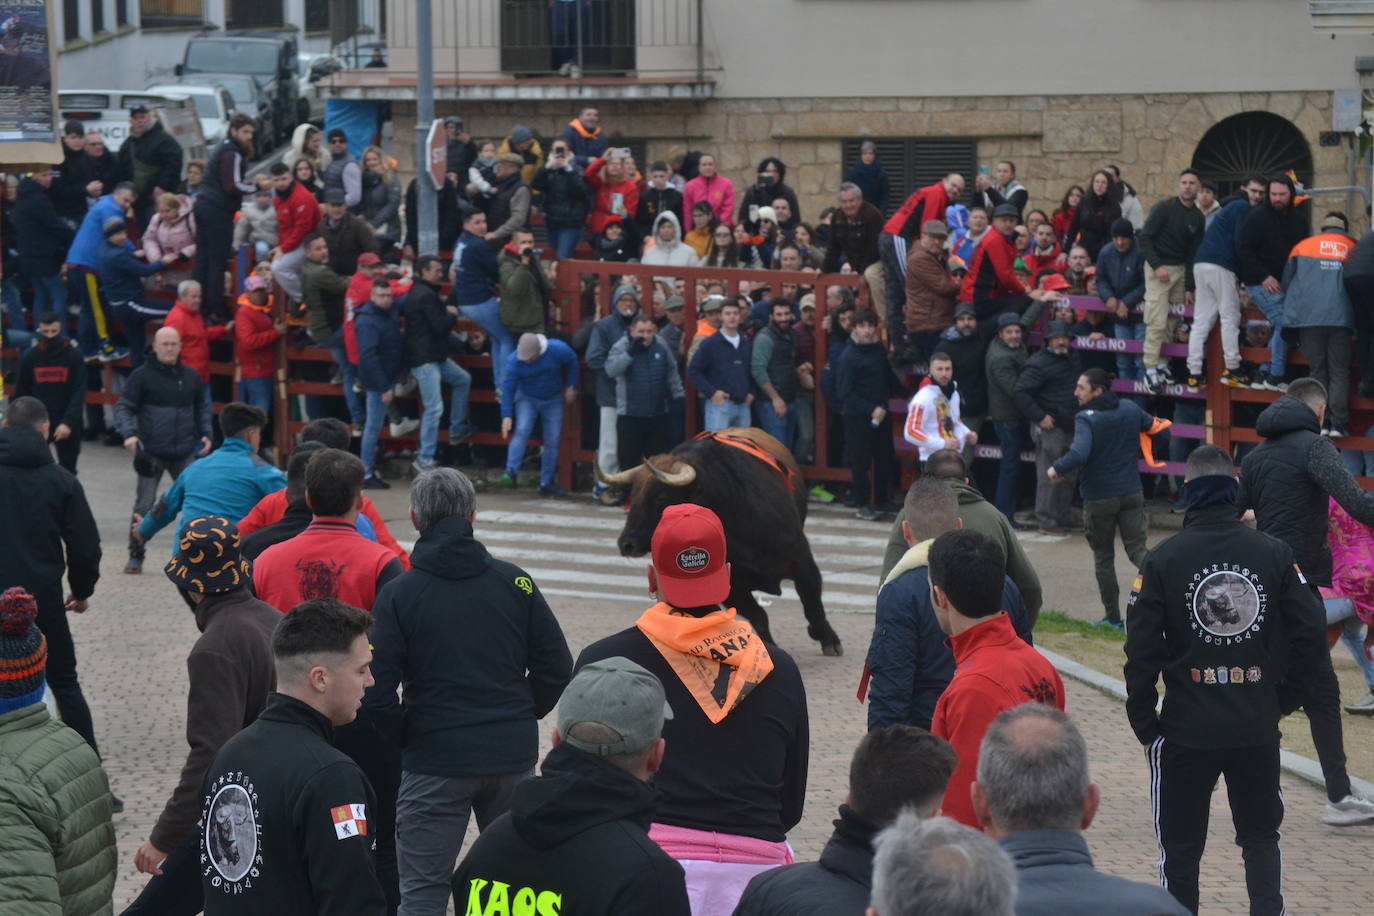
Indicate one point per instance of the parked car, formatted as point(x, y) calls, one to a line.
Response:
point(246, 94)
point(213, 104)
point(106, 111)
point(270, 58)
point(312, 69)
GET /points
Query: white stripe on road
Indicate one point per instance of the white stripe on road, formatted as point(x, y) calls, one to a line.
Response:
point(864, 545)
point(815, 517)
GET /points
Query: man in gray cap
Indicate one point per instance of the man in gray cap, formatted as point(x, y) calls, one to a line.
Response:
point(508, 203)
point(348, 234)
point(1006, 357)
point(930, 294)
point(576, 840)
point(1044, 395)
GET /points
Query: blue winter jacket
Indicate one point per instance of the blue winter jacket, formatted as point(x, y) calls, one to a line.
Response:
point(546, 377)
point(719, 364)
point(90, 238)
point(1055, 877)
point(121, 274)
point(381, 352)
point(646, 381)
point(909, 663)
point(1121, 276)
point(228, 482)
point(1106, 433)
point(478, 272)
point(1219, 241)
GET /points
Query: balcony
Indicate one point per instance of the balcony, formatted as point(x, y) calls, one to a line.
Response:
point(534, 49)
point(1342, 15)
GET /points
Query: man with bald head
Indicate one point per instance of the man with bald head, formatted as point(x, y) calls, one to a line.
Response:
point(164, 422)
point(1033, 794)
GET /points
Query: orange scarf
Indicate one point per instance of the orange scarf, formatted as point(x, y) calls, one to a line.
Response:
point(698, 647)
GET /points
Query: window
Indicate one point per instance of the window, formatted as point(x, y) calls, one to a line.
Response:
point(915, 162)
point(155, 14)
point(255, 14)
point(317, 16)
point(121, 13)
point(71, 20)
point(97, 16)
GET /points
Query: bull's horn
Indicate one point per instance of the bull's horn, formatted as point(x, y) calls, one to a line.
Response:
point(614, 480)
point(681, 475)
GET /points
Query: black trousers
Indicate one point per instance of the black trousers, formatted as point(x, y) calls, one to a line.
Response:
point(214, 242)
point(1323, 708)
point(869, 447)
point(68, 449)
point(177, 891)
point(61, 671)
point(380, 760)
point(1182, 780)
point(1361, 293)
point(638, 438)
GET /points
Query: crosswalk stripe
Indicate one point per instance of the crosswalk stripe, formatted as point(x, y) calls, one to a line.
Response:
point(863, 545)
point(830, 518)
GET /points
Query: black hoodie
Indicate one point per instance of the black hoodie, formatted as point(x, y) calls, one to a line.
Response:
point(574, 843)
point(54, 371)
point(55, 513)
point(480, 654)
point(41, 237)
point(1266, 238)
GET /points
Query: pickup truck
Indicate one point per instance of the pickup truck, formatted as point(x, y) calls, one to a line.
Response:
point(269, 58)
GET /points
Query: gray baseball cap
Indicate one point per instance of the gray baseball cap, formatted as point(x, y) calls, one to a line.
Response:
point(622, 696)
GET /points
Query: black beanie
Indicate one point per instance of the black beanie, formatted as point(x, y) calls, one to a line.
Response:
point(1122, 228)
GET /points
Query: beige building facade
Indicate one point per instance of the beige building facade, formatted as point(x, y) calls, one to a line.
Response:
point(1061, 87)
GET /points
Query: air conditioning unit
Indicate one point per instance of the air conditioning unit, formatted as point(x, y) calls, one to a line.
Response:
point(1342, 15)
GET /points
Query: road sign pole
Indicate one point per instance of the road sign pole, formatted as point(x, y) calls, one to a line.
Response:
point(428, 218)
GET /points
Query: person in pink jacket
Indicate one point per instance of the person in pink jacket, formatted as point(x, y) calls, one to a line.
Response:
point(172, 230)
point(1350, 599)
point(710, 186)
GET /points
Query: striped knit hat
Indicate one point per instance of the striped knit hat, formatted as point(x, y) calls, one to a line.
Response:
point(23, 651)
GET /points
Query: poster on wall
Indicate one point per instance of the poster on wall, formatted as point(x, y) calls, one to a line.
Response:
point(28, 102)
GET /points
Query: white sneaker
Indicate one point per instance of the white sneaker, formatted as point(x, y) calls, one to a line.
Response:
point(404, 428)
point(1364, 706)
point(1351, 810)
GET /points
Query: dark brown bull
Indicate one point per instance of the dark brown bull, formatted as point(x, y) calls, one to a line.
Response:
point(762, 506)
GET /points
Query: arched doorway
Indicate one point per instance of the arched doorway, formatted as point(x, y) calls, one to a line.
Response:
point(1254, 141)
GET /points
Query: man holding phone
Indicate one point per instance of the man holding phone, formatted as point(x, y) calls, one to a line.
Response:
point(563, 198)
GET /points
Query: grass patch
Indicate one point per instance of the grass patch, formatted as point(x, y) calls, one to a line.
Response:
point(1050, 622)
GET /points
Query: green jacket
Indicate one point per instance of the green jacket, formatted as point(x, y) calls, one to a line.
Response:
point(981, 516)
point(324, 299)
point(523, 293)
point(57, 845)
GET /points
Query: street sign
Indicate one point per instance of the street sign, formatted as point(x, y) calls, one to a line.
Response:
point(437, 145)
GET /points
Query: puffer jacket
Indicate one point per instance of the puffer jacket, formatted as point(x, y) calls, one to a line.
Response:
point(1105, 434)
point(162, 406)
point(604, 335)
point(1313, 285)
point(57, 850)
point(171, 236)
point(646, 380)
point(256, 224)
point(382, 204)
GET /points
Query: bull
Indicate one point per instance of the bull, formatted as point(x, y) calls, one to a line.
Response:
point(756, 488)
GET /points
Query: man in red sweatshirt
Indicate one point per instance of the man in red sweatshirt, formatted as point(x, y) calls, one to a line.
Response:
point(255, 337)
point(298, 213)
point(990, 284)
point(993, 668)
point(196, 338)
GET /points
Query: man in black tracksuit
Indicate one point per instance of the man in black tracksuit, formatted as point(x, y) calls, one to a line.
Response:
point(482, 659)
point(1228, 618)
point(220, 197)
point(54, 371)
point(284, 814)
point(576, 840)
point(864, 383)
point(47, 513)
point(1287, 481)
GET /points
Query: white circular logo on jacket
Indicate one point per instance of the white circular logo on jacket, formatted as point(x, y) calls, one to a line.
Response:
point(230, 840)
point(1226, 603)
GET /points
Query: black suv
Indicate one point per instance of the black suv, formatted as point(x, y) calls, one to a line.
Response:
point(270, 59)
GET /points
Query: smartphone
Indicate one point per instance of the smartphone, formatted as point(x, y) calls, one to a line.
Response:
point(984, 170)
point(622, 152)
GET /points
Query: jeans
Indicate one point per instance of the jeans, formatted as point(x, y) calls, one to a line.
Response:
point(1013, 436)
point(145, 493)
point(431, 820)
point(348, 373)
point(564, 240)
point(14, 304)
point(1129, 365)
point(372, 430)
point(258, 392)
point(550, 412)
point(431, 377)
point(570, 21)
point(1102, 518)
point(783, 428)
point(1272, 306)
point(607, 451)
point(1342, 611)
point(727, 415)
point(1328, 351)
point(49, 295)
point(488, 317)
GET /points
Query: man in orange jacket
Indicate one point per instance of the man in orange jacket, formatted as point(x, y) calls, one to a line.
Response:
point(255, 337)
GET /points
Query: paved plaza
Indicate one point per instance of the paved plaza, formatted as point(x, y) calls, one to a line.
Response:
point(133, 642)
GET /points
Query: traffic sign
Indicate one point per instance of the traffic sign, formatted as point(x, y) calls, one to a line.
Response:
point(437, 145)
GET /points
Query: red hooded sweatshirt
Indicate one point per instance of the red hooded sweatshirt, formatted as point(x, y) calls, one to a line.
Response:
point(298, 213)
point(605, 197)
point(195, 338)
point(254, 336)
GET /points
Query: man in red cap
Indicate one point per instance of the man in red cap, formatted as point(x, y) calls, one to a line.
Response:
point(735, 781)
point(255, 339)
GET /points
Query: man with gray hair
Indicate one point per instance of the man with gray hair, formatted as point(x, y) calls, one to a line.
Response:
point(1035, 797)
point(938, 867)
point(854, 231)
point(481, 659)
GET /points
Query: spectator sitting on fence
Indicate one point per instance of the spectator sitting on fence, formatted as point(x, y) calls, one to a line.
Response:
point(257, 224)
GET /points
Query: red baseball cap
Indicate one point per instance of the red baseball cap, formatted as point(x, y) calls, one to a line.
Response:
point(367, 259)
point(1055, 282)
point(688, 550)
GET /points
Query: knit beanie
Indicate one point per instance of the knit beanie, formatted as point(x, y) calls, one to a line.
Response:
point(23, 651)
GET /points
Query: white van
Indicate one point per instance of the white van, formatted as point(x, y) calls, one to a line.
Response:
point(106, 111)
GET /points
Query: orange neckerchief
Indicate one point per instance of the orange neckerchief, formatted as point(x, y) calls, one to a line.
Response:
point(577, 126)
point(697, 648)
point(265, 308)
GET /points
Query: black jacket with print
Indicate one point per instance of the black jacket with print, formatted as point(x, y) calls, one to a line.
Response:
point(284, 827)
point(1224, 613)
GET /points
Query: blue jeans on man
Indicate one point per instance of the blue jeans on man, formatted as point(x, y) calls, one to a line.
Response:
point(783, 428)
point(564, 240)
point(488, 317)
point(1342, 611)
point(1129, 365)
point(549, 411)
point(1013, 438)
point(431, 377)
point(724, 416)
point(257, 392)
point(1272, 306)
point(372, 430)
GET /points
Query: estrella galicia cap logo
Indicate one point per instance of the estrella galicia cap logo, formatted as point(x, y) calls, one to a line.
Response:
point(693, 559)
